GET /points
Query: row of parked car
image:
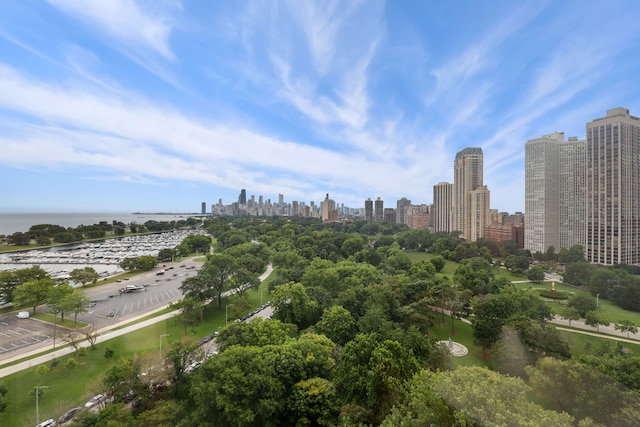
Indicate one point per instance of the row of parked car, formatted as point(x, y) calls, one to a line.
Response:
point(253, 313)
point(68, 416)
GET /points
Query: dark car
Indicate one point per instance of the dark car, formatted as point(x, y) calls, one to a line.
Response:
point(69, 415)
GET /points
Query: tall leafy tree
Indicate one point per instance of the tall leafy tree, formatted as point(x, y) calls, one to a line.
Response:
point(84, 275)
point(238, 387)
point(212, 279)
point(190, 315)
point(313, 402)
point(56, 299)
point(291, 304)
point(33, 293)
point(9, 280)
point(489, 398)
point(627, 326)
point(583, 392)
point(337, 324)
point(122, 378)
point(372, 374)
point(182, 354)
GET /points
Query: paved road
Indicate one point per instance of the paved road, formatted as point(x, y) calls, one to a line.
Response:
point(105, 335)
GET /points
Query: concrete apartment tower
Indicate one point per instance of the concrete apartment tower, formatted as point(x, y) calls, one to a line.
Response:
point(542, 192)
point(479, 212)
point(400, 205)
point(468, 176)
point(573, 193)
point(442, 201)
point(368, 211)
point(613, 189)
point(379, 210)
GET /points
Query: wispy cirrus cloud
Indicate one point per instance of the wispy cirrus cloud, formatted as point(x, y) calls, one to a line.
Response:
point(88, 127)
point(124, 21)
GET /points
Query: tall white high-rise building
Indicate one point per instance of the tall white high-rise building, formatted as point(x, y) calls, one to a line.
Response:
point(613, 189)
point(573, 193)
point(542, 193)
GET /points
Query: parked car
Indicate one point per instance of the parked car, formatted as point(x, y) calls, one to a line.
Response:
point(23, 315)
point(69, 415)
point(47, 423)
point(95, 400)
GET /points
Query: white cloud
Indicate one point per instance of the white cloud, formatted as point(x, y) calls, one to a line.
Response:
point(132, 137)
point(123, 20)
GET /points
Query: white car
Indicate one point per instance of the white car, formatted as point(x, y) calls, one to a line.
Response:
point(47, 423)
point(23, 315)
point(95, 400)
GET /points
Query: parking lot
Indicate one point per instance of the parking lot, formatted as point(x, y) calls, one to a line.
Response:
point(109, 306)
point(19, 333)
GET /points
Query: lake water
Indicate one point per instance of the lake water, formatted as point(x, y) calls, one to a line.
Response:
point(14, 222)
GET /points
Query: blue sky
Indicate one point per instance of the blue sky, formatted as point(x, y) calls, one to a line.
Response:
point(158, 105)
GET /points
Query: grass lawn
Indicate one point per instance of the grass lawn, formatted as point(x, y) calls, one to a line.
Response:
point(67, 323)
point(581, 344)
point(610, 312)
point(463, 335)
point(73, 387)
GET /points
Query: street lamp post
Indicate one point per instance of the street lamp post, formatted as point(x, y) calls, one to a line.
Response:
point(38, 388)
point(55, 316)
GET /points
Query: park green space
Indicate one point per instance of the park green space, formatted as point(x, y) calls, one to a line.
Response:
point(609, 311)
point(73, 387)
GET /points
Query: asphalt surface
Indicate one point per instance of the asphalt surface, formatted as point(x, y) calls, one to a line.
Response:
point(105, 335)
point(109, 308)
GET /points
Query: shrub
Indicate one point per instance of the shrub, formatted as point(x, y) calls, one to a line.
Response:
point(559, 295)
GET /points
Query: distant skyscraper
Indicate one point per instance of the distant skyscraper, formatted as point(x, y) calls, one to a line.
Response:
point(613, 189)
point(204, 208)
point(479, 212)
point(400, 205)
point(368, 211)
point(442, 201)
point(468, 175)
point(328, 210)
point(379, 210)
point(389, 215)
point(242, 198)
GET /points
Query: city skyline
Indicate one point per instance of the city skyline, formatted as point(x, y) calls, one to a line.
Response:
point(116, 106)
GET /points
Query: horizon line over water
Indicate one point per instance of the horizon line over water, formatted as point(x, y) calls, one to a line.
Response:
point(12, 222)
